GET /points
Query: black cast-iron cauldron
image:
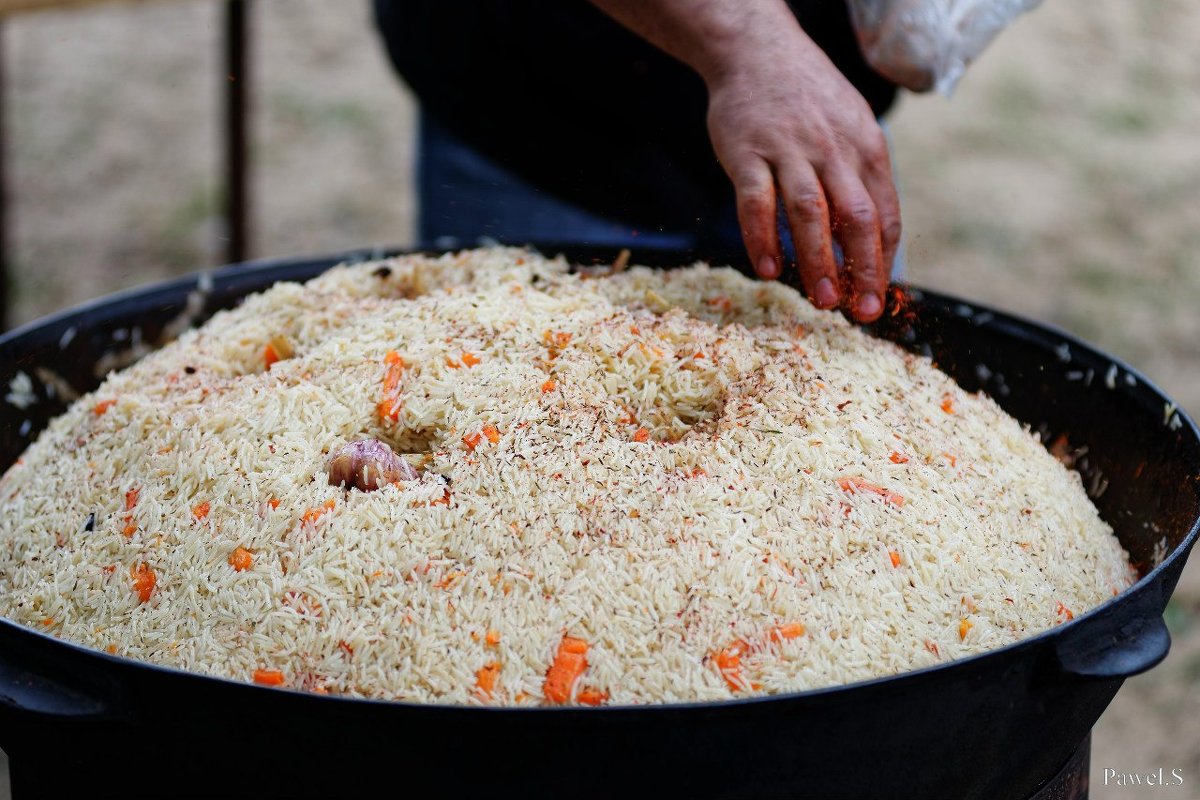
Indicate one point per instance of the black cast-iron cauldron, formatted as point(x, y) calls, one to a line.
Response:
point(991, 727)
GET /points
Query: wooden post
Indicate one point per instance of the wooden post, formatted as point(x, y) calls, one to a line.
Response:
point(4, 238)
point(237, 190)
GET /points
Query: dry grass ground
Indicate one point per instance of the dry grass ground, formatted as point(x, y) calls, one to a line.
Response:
point(1062, 181)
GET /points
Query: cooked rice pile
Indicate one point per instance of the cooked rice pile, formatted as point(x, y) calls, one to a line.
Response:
point(645, 488)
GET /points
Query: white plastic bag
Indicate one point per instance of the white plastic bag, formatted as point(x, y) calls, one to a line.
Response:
point(928, 44)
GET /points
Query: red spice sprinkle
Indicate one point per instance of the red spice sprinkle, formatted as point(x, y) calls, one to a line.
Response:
point(103, 406)
point(201, 511)
point(641, 435)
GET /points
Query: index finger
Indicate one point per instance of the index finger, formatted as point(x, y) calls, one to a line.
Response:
point(856, 227)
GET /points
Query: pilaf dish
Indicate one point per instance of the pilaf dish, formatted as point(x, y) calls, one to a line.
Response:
point(484, 479)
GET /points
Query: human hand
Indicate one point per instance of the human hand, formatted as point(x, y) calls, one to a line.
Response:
point(791, 131)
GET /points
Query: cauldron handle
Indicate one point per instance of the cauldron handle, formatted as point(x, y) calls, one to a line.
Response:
point(40, 682)
point(1123, 638)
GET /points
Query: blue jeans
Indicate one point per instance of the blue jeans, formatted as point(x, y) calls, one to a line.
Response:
point(466, 199)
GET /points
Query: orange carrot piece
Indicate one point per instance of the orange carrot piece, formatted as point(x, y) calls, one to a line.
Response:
point(131, 498)
point(314, 514)
point(269, 356)
point(268, 677)
point(948, 404)
point(853, 485)
point(1064, 613)
point(492, 638)
point(485, 679)
point(492, 433)
point(452, 364)
point(470, 359)
point(448, 579)
point(241, 559)
point(963, 627)
point(471, 440)
point(549, 386)
point(895, 557)
point(273, 503)
point(144, 581)
point(729, 663)
point(129, 530)
point(103, 406)
point(641, 435)
point(898, 458)
point(201, 510)
point(569, 663)
point(389, 407)
point(790, 630)
point(592, 697)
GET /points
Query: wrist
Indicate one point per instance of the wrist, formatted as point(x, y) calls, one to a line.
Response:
point(755, 49)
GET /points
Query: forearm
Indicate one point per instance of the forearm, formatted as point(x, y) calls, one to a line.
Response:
point(710, 36)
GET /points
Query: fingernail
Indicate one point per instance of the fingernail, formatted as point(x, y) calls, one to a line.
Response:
point(869, 306)
point(767, 268)
point(826, 294)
